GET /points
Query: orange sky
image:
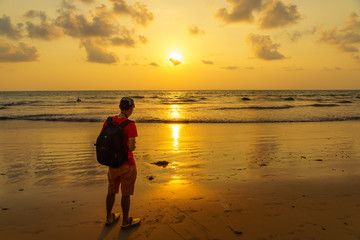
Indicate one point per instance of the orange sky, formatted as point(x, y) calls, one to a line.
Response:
point(167, 44)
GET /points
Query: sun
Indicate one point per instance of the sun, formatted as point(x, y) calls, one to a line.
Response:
point(175, 58)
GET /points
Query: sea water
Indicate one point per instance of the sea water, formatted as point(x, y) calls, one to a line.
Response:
point(218, 106)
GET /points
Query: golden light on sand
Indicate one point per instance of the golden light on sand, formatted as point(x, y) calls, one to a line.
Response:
point(175, 135)
point(175, 58)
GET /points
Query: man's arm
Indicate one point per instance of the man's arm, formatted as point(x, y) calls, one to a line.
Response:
point(132, 144)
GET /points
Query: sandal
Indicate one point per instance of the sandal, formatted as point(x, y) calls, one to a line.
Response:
point(115, 217)
point(133, 222)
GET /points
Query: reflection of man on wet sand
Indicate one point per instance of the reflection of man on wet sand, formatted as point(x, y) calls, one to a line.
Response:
point(124, 175)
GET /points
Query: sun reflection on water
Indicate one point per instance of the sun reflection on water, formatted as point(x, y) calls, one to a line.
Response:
point(175, 135)
point(174, 112)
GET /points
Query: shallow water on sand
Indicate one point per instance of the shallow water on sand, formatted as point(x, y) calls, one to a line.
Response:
point(62, 154)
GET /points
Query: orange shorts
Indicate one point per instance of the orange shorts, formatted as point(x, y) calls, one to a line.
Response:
point(124, 175)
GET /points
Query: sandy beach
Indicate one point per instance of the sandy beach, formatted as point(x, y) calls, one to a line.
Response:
point(223, 181)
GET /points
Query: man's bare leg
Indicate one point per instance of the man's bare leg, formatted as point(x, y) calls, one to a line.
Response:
point(125, 205)
point(110, 200)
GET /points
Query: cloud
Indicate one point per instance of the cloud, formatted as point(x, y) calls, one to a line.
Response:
point(125, 39)
point(195, 31)
point(277, 14)
point(241, 11)
point(346, 39)
point(103, 23)
point(230, 68)
point(97, 54)
point(292, 69)
point(44, 30)
point(137, 11)
point(174, 61)
point(273, 13)
point(9, 30)
point(154, 64)
point(295, 36)
point(264, 48)
point(143, 39)
point(78, 25)
point(68, 5)
point(88, 1)
point(332, 69)
point(22, 53)
point(207, 62)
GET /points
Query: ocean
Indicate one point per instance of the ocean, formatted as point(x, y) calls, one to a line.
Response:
point(218, 106)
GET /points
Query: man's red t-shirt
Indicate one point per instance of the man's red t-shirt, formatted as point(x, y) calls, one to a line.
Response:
point(129, 132)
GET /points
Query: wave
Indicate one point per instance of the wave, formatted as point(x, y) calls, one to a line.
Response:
point(180, 101)
point(19, 103)
point(324, 105)
point(52, 118)
point(255, 108)
point(137, 97)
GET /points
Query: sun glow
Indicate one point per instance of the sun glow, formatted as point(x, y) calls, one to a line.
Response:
point(175, 58)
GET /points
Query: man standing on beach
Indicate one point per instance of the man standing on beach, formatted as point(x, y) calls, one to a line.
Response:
point(124, 175)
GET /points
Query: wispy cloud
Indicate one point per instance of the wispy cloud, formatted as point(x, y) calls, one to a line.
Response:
point(138, 11)
point(154, 64)
point(264, 48)
point(293, 69)
point(20, 53)
point(96, 53)
point(295, 36)
point(347, 39)
point(230, 68)
point(207, 62)
point(8, 29)
point(88, 1)
point(196, 31)
point(174, 61)
point(143, 39)
point(330, 69)
point(277, 14)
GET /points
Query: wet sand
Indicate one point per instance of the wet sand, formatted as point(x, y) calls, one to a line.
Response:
point(223, 181)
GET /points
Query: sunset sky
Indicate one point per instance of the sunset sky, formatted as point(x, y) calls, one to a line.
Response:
point(175, 45)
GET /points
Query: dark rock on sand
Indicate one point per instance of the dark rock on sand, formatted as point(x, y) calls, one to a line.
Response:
point(235, 231)
point(245, 99)
point(150, 178)
point(161, 163)
point(289, 99)
point(263, 165)
point(345, 101)
point(5, 209)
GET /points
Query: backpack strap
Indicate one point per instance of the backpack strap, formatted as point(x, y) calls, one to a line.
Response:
point(109, 121)
point(125, 123)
